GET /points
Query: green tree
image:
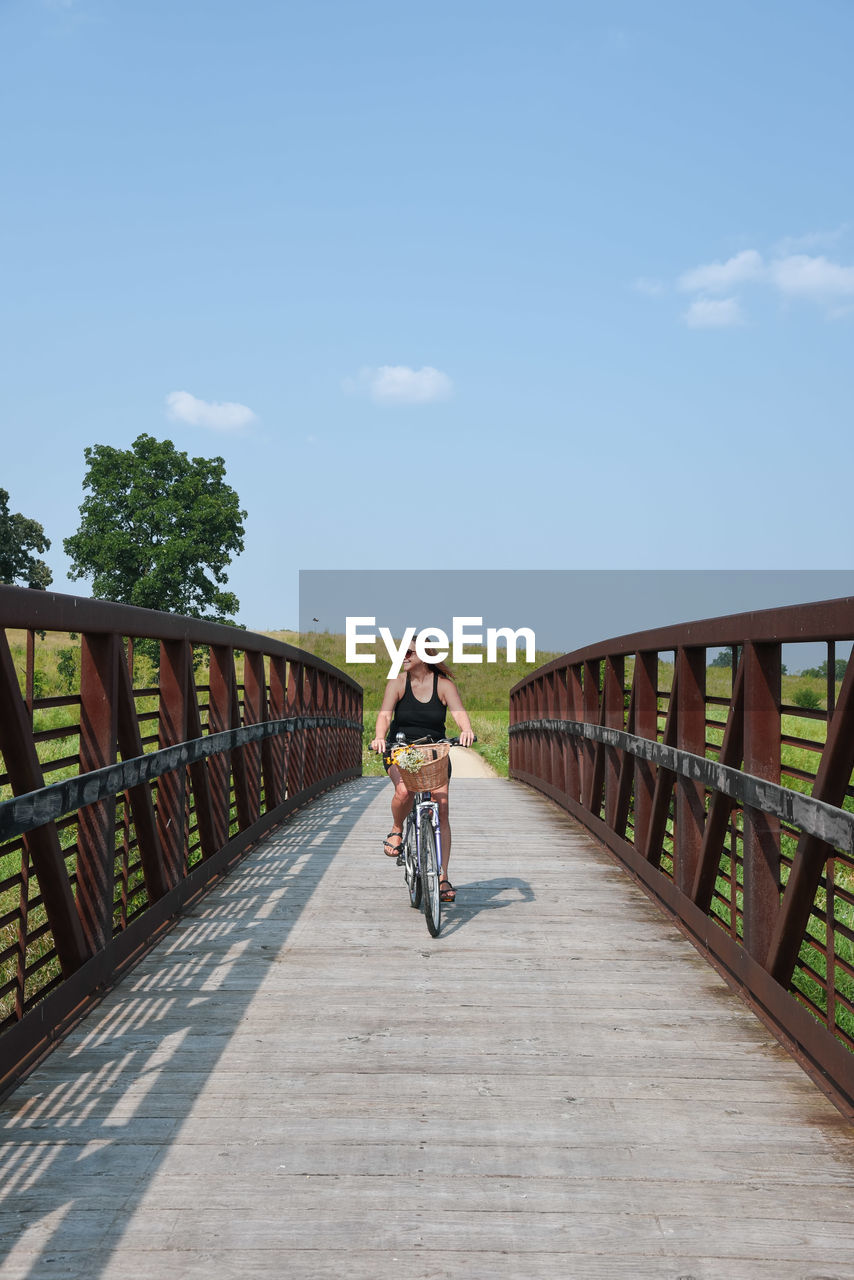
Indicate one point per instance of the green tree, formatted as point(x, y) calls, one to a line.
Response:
point(157, 529)
point(19, 538)
point(724, 657)
point(820, 672)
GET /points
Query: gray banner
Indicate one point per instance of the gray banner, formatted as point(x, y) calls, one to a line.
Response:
point(566, 609)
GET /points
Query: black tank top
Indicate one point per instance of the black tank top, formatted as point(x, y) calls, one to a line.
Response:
point(416, 719)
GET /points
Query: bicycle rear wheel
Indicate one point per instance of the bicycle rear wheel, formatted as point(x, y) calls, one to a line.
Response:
point(410, 863)
point(430, 877)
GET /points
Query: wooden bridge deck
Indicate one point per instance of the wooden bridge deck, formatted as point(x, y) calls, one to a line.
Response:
point(298, 1082)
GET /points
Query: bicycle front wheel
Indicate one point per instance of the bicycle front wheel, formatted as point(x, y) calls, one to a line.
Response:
point(430, 877)
point(410, 862)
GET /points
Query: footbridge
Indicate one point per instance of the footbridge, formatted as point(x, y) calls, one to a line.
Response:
point(229, 1047)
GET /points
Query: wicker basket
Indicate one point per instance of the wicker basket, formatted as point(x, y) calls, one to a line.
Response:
point(434, 771)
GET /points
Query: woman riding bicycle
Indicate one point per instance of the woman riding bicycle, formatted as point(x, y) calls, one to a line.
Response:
point(415, 705)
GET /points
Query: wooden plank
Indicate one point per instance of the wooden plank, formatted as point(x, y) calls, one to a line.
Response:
point(299, 1081)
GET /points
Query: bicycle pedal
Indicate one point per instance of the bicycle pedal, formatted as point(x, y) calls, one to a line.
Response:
point(401, 862)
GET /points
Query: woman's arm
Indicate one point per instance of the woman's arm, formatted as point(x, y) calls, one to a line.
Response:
point(449, 694)
point(393, 692)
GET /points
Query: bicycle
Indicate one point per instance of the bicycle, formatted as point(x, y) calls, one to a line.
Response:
point(421, 840)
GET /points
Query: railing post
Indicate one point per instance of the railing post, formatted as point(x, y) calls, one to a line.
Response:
point(340, 705)
point(761, 846)
point(574, 708)
point(590, 715)
point(646, 726)
point(690, 736)
point(356, 711)
point(721, 813)
point(563, 739)
point(275, 783)
point(541, 766)
point(515, 738)
point(529, 712)
point(242, 801)
point(321, 708)
point(141, 803)
point(309, 697)
point(254, 712)
point(172, 786)
point(96, 852)
point(199, 776)
point(296, 749)
point(615, 719)
point(219, 720)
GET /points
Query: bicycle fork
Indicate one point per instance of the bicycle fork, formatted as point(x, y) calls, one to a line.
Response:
point(415, 816)
point(437, 834)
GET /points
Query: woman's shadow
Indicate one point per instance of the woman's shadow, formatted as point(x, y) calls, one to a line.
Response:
point(484, 895)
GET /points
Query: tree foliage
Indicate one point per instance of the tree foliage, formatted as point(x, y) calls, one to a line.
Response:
point(807, 698)
point(158, 529)
point(820, 672)
point(724, 657)
point(19, 538)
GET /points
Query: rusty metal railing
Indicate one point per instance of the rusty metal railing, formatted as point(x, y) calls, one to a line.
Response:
point(140, 754)
point(733, 807)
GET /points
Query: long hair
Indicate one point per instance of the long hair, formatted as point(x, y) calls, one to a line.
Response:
point(441, 667)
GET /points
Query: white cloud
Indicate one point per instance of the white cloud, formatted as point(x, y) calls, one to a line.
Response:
point(719, 277)
point(791, 275)
point(811, 240)
point(218, 416)
point(713, 313)
point(398, 384)
point(801, 276)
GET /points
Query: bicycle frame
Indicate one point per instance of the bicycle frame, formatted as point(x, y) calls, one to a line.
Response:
point(422, 802)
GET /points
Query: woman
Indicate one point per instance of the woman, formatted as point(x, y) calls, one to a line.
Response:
point(415, 704)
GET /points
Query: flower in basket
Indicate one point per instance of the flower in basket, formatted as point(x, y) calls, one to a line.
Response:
point(409, 759)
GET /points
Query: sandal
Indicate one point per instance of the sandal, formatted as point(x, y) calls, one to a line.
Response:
point(392, 850)
point(447, 892)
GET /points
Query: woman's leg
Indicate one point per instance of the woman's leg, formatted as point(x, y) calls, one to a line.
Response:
point(440, 795)
point(401, 803)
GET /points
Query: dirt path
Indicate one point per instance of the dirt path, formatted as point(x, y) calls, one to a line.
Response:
point(468, 764)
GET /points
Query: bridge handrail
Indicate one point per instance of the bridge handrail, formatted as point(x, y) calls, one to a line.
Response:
point(709, 802)
point(95, 866)
point(821, 620)
point(22, 609)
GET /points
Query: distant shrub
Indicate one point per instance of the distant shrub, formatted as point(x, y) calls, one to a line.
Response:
point(806, 698)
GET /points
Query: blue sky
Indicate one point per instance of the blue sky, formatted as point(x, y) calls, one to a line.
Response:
point(569, 286)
